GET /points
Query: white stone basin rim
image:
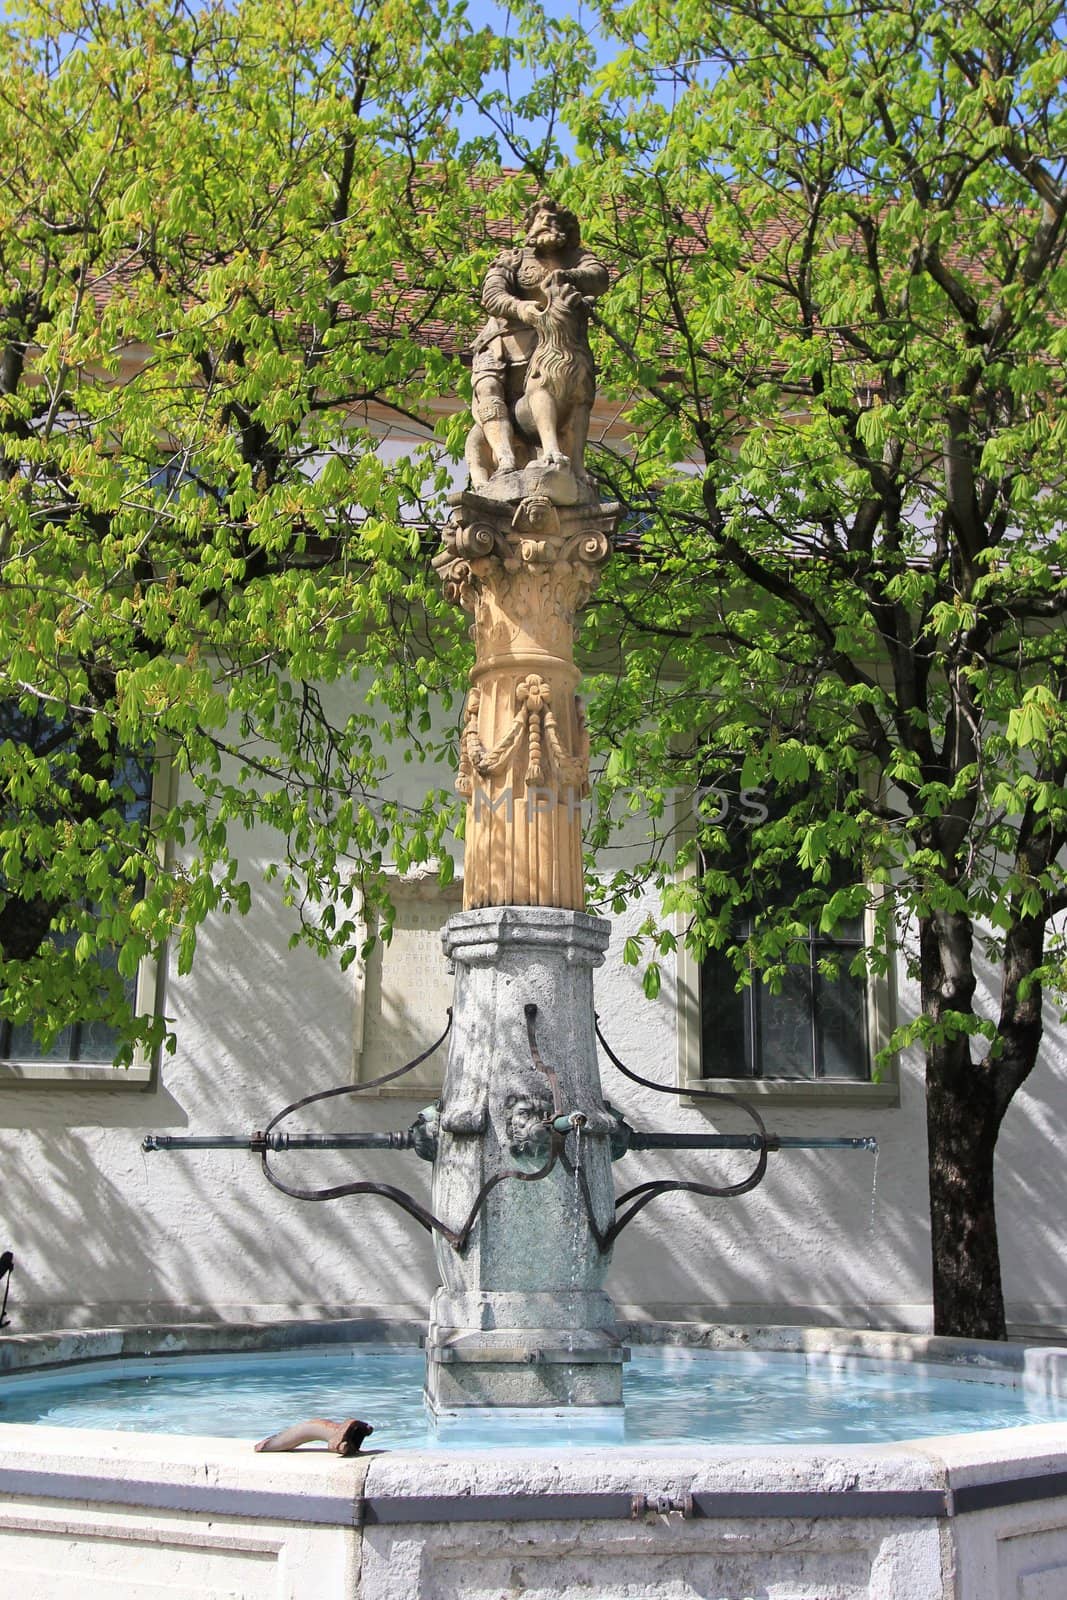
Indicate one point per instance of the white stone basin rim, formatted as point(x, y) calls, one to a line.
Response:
point(347, 1505)
point(962, 1517)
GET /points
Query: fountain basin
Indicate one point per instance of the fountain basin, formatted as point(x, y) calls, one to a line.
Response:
point(99, 1514)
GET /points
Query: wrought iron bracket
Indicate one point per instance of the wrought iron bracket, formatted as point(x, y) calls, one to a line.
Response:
point(661, 1505)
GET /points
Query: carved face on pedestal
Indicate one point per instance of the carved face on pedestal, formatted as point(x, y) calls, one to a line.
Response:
point(527, 1126)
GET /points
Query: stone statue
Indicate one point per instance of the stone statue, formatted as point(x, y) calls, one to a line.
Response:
point(521, 1317)
point(533, 373)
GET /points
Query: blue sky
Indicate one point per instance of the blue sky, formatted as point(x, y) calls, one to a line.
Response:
point(487, 13)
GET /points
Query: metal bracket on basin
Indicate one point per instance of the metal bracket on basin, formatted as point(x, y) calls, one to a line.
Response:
point(661, 1505)
point(526, 1355)
point(343, 1438)
point(7, 1266)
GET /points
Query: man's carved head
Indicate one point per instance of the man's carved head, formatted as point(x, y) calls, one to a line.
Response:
point(527, 1125)
point(551, 228)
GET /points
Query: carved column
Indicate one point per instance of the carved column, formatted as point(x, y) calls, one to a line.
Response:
point(523, 571)
point(521, 1318)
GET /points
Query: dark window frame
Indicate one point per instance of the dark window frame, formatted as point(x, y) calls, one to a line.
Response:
point(746, 1056)
point(736, 1046)
point(69, 1049)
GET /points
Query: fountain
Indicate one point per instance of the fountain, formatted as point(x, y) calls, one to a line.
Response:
point(524, 1213)
point(523, 1210)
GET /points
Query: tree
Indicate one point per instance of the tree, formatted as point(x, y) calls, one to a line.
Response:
point(840, 235)
point(203, 332)
point(232, 239)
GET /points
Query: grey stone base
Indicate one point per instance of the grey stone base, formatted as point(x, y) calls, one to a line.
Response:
point(563, 1317)
point(523, 1367)
point(515, 1350)
point(451, 1387)
point(521, 1319)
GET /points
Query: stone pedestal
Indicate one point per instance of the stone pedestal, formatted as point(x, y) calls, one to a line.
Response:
point(521, 1318)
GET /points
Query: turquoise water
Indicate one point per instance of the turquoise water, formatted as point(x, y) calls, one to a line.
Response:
point(673, 1397)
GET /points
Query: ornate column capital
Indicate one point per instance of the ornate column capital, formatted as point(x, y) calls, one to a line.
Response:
point(512, 552)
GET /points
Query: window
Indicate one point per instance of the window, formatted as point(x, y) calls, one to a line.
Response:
point(80, 1042)
point(83, 1052)
point(814, 1040)
point(814, 1028)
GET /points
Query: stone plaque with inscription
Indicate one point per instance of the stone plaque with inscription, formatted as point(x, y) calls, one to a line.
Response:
point(405, 989)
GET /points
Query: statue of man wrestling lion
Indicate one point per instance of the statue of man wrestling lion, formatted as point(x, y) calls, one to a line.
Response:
point(533, 374)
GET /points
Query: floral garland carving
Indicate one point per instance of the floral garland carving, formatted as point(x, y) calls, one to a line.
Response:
point(534, 717)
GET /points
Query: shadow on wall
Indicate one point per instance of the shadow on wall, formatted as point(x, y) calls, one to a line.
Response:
point(96, 1223)
point(832, 1235)
point(1030, 1195)
point(828, 1235)
point(828, 1230)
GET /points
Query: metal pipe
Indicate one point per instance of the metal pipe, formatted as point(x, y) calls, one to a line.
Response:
point(742, 1141)
point(864, 1143)
point(364, 1140)
point(259, 1142)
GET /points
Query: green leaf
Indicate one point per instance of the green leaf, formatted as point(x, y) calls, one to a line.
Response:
point(129, 959)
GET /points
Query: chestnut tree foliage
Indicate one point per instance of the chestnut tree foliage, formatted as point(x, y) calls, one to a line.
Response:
point(238, 241)
point(223, 275)
point(842, 309)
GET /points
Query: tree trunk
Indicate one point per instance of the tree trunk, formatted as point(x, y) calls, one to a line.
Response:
point(962, 1125)
point(965, 1105)
point(962, 1121)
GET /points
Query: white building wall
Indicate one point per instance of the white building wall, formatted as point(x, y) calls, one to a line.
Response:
point(103, 1233)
